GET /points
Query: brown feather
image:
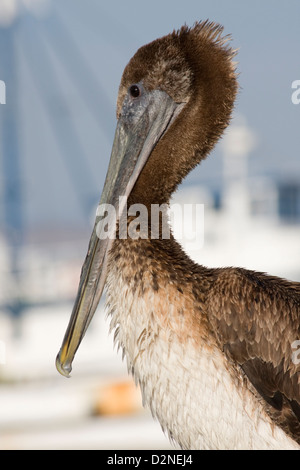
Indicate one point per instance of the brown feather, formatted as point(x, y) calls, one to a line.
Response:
point(256, 318)
point(193, 66)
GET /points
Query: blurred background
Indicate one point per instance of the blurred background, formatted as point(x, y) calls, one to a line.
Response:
point(61, 62)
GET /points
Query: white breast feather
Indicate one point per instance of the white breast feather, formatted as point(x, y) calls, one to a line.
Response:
point(188, 387)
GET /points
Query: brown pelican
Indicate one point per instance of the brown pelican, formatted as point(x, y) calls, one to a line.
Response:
point(210, 348)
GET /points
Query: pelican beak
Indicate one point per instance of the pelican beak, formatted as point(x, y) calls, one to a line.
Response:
point(141, 124)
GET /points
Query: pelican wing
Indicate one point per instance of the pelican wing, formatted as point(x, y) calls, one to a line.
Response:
point(256, 319)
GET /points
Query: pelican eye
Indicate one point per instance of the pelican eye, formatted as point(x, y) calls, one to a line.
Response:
point(135, 91)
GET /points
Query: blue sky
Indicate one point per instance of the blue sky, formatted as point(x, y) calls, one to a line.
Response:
point(69, 87)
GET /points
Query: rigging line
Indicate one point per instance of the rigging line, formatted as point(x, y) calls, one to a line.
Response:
point(45, 78)
point(100, 20)
point(70, 57)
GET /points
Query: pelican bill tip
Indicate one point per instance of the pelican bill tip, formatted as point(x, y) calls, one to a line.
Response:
point(63, 368)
